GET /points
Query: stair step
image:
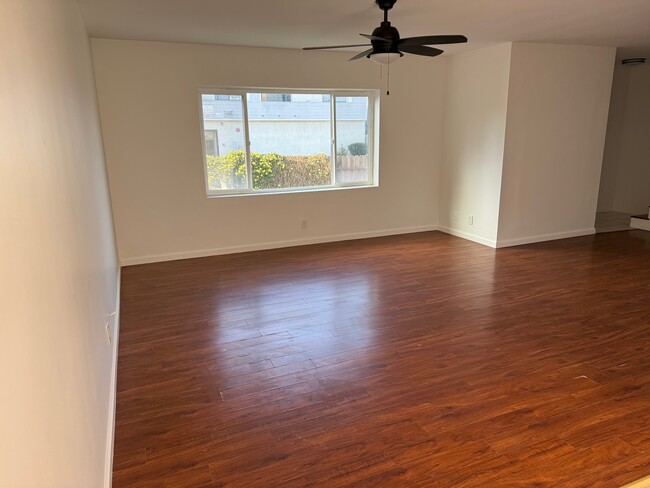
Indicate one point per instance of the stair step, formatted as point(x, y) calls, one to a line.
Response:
point(640, 222)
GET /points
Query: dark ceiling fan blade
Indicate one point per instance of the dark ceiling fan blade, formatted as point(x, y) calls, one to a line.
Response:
point(375, 38)
point(334, 47)
point(429, 40)
point(421, 50)
point(361, 55)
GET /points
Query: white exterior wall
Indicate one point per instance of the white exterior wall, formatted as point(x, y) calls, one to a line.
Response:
point(291, 138)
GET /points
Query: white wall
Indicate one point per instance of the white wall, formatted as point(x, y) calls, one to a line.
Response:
point(625, 181)
point(474, 133)
point(557, 116)
point(149, 111)
point(58, 260)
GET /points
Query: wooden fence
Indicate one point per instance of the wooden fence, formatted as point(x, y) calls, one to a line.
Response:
point(352, 169)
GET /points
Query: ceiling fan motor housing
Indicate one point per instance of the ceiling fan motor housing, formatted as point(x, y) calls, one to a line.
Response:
point(388, 32)
point(385, 4)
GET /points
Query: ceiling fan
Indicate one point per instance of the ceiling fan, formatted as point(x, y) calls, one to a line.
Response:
point(386, 45)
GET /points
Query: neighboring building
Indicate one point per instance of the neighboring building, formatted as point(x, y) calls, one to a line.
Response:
point(289, 124)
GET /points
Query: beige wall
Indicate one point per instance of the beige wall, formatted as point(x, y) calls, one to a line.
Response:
point(58, 260)
point(149, 111)
point(557, 116)
point(625, 181)
point(476, 101)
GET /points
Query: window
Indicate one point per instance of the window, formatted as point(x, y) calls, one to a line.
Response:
point(312, 140)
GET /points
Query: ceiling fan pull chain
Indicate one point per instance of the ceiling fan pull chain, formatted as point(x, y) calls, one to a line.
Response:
point(388, 81)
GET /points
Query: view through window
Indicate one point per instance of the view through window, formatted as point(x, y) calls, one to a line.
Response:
point(265, 141)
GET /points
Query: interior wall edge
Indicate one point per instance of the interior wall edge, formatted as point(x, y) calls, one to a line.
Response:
point(112, 402)
point(468, 236)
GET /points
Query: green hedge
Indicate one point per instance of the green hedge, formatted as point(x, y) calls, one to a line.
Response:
point(270, 170)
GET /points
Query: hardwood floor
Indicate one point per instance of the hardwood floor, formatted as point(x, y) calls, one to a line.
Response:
point(419, 360)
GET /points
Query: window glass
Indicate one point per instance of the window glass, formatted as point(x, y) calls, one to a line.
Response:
point(291, 143)
point(225, 143)
point(352, 159)
point(211, 143)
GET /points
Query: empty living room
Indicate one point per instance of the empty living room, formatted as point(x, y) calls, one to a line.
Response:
point(394, 243)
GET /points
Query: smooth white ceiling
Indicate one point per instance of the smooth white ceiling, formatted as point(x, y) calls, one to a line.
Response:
point(298, 23)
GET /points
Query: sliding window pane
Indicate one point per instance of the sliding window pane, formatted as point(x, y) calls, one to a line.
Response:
point(291, 140)
point(352, 160)
point(224, 141)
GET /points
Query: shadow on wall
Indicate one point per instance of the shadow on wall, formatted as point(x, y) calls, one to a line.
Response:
point(625, 177)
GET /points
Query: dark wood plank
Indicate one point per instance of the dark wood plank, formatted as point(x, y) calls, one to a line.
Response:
point(418, 360)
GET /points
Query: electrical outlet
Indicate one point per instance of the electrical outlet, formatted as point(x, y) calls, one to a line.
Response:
point(108, 332)
point(454, 217)
point(304, 224)
point(470, 220)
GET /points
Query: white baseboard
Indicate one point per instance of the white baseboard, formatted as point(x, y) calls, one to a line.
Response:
point(468, 236)
point(545, 237)
point(110, 432)
point(272, 245)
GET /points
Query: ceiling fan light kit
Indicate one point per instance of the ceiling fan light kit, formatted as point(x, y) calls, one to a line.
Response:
point(386, 46)
point(385, 58)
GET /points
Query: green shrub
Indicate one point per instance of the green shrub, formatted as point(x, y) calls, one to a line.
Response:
point(266, 169)
point(270, 170)
point(227, 171)
point(358, 149)
point(305, 171)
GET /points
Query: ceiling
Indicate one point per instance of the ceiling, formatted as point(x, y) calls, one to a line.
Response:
point(299, 23)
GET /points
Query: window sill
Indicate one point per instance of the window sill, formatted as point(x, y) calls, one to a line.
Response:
point(290, 192)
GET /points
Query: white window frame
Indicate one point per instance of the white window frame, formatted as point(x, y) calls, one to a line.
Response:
point(373, 139)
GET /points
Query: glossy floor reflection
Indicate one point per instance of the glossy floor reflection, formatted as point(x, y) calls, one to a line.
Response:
point(419, 360)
